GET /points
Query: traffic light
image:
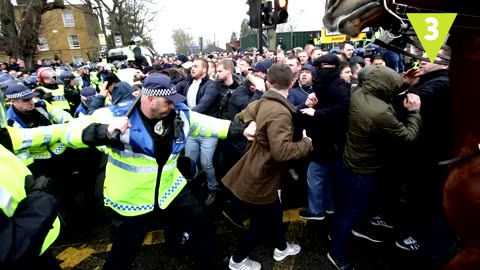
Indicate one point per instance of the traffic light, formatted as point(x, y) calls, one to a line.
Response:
point(281, 13)
point(267, 14)
point(254, 13)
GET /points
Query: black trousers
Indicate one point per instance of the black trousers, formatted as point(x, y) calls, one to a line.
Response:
point(127, 233)
point(264, 219)
point(45, 262)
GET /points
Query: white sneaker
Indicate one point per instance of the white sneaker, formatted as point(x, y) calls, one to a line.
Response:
point(246, 264)
point(292, 249)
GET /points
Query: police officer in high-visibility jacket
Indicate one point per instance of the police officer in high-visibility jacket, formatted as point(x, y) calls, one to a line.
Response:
point(50, 90)
point(38, 139)
point(25, 112)
point(142, 173)
point(28, 210)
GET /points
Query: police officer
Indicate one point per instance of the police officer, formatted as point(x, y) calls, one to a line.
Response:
point(52, 159)
point(143, 170)
point(25, 112)
point(50, 90)
point(71, 92)
point(86, 97)
point(28, 216)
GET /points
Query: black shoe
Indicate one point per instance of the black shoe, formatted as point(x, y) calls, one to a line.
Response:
point(379, 221)
point(340, 264)
point(367, 235)
point(212, 195)
point(408, 244)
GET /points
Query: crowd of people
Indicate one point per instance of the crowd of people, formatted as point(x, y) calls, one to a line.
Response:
point(365, 131)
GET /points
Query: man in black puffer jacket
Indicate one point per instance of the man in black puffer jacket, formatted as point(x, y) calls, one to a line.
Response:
point(326, 116)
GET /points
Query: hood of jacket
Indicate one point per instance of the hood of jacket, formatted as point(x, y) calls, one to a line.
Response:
point(122, 91)
point(381, 82)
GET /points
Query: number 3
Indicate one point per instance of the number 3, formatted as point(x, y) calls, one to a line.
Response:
point(432, 25)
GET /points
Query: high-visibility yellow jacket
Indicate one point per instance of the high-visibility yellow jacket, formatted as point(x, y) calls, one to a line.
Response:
point(12, 192)
point(130, 53)
point(132, 170)
point(59, 99)
point(45, 138)
point(30, 143)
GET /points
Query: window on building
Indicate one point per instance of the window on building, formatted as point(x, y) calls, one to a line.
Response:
point(77, 59)
point(73, 41)
point(68, 20)
point(42, 43)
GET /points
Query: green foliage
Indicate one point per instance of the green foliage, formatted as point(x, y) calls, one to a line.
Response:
point(245, 30)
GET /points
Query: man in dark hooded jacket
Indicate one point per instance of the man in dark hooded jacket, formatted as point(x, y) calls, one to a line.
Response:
point(118, 90)
point(373, 131)
point(326, 123)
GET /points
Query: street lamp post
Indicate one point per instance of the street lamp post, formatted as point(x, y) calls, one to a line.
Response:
point(292, 25)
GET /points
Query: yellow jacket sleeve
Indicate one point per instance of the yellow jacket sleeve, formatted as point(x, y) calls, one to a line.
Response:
point(58, 115)
point(25, 138)
point(72, 133)
point(206, 126)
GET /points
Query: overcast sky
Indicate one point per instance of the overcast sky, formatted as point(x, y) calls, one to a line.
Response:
point(219, 18)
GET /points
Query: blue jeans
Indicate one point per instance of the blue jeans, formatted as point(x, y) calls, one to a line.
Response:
point(355, 194)
point(320, 187)
point(203, 148)
point(394, 61)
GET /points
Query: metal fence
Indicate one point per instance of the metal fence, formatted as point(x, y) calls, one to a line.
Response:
point(290, 39)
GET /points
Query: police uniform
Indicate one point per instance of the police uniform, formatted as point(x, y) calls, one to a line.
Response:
point(142, 175)
point(43, 116)
point(58, 99)
point(28, 217)
point(86, 96)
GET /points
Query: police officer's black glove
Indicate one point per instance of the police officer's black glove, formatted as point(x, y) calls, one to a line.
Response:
point(236, 129)
point(48, 97)
point(41, 92)
point(43, 184)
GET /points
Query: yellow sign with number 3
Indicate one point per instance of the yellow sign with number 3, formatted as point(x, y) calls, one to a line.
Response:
point(431, 29)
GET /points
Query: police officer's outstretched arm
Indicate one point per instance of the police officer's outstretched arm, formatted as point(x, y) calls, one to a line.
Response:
point(94, 130)
point(29, 211)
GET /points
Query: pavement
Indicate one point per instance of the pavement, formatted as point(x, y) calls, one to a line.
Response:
point(86, 245)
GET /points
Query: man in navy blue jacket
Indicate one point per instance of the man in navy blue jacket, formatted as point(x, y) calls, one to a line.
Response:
point(202, 97)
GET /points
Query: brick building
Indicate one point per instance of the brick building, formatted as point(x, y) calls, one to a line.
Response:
point(69, 34)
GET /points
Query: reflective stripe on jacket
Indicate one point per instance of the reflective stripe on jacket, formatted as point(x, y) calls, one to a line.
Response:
point(132, 169)
point(12, 191)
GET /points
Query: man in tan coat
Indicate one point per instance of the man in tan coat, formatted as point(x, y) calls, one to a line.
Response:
point(255, 179)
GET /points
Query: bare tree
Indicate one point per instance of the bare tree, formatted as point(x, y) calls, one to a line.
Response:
point(19, 37)
point(181, 40)
point(127, 18)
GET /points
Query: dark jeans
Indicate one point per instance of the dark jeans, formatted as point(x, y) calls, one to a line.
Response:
point(264, 219)
point(127, 233)
point(424, 191)
point(355, 195)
